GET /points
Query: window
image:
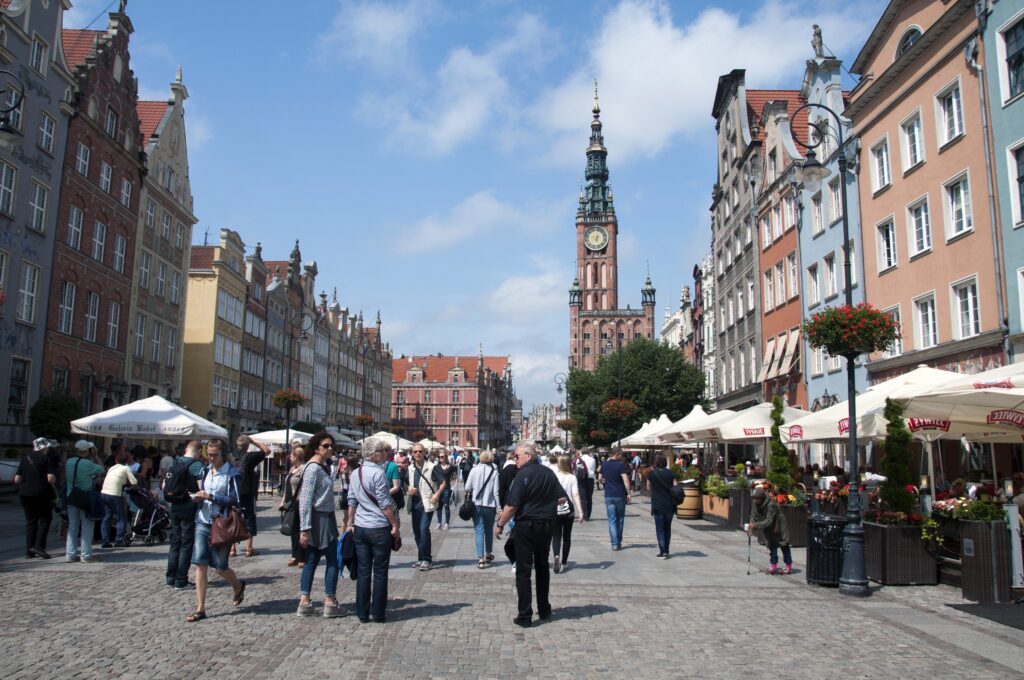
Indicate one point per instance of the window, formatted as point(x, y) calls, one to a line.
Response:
point(1017, 173)
point(27, 292)
point(229, 308)
point(927, 330)
point(3, 269)
point(126, 193)
point(766, 231)
point(111, 124)
point(92, 316)
point(833, 363)
point(165, 225)
point(887, 258)
point(835, 201)
point(907, 41)
point(831, 283)
point(14, 116)
point(150, 212)
point(82, 156)
point(913, 144)
point(958, 207)
point(145, 262)
point(813, 285)
point(7, 178)
point(120, 244)
point(172, 347)
point(788, 212)
point(794, 275)
point(179, 235)
point(776, 221)
point(161, 278)
point(426, 396)
point(140, 335)
point(739, 303)
point(772, 167)
point(455, 416)
point(47, 127)
point(897, 347)
point(882, 173)
point(951, 114)
point(920, 227)
point(106, 173)
point(769, 291)
point(155, 340)
point(1013, 44)
point(750, 294)
point(75, 217)
point(780, 284)
point(17, 399)
point(455, 394)
point(113, 324)
point(37, 207)
point(818, 360)
point(37, 59)
point(99, 240)
point(175, 287)
point(965, 299)
point(66, 310)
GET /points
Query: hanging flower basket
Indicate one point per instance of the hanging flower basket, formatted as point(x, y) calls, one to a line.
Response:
point(849, 331)
point(619, 408)
point(363, 420)
point(566, 423)
point(287, 398)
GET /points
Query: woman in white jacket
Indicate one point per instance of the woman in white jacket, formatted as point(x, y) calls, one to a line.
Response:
point(482, 487)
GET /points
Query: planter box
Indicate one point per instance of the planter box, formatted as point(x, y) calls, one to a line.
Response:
point(985, 561)
point(739, 508)
point(896, 556)
point(796, 520)
point(716, 507)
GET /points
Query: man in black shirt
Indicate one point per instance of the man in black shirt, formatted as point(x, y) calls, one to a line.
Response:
point(532, 499)
point(249, 484)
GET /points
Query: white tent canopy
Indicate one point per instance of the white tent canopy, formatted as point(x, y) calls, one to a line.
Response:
point(751, 424)
point(556, 449)
point(639, 438)
point(431, 446)
point(278, 437)
point(341, 439)
point(396, 442)
point(151, 417)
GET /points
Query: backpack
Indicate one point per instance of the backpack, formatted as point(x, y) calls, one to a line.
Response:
point(178, 483)
point(581, 472)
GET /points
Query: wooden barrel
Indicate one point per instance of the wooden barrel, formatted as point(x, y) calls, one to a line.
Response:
point(692, 504)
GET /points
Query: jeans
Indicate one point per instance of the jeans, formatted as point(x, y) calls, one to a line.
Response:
point(532, 541)
point(115, 509)
point(587, 491)
point(312, 559)
point(773, 551)
point(80, 531)
point(373, 554)
point(616, 508)
point(421, 531)
point(38, 515)
point(483, 524)
point(445, 508)
point(663, 529)
point(183, 535)
point(561, 536)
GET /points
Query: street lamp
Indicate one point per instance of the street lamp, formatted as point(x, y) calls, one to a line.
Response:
point(618, 382)
point(304, 321)
point(854, 579)
point(6, 109)
point(562, 383)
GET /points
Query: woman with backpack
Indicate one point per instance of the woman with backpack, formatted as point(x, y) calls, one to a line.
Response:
point(660, 481)
point(482, 487)
point(561, 536)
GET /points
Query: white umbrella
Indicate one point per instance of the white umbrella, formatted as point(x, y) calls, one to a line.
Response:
point(692, 420)
point(639, 434)
point(556, 449)
point(750, 424)
point(431, 446)
point(652, 437)
point(396, 442)
point(151, 417)
point(278, 437)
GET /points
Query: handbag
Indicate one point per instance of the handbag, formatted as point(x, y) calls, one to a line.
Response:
point(396, 541)
point(291, 512)
point(78, 497)
point(468, 507)
point(228, 528)
point(676, 491)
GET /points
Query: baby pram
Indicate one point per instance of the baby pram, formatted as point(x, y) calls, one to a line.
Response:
point(151, 520)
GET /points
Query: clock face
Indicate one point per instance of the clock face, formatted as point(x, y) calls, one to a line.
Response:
point(596, 238)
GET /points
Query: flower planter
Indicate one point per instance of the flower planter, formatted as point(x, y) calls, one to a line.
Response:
point(739, 508)
point(895, 555)
point(796, 520)
point(985, 561)
point(716, 507)
point(692, 505)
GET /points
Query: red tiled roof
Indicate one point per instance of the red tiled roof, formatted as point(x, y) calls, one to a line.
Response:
point(78, 44)
point(201, 258)
point(437, 367)
point(150, 114)
point(756, 100)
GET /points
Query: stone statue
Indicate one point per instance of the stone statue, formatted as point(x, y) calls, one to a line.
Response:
point(817, 44)
point(684, 297)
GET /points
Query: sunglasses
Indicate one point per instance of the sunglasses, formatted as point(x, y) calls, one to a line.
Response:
point(326, 445)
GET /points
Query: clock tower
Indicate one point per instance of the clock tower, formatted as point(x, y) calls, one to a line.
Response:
point(597, 326)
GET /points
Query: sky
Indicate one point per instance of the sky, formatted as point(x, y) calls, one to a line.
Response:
point(428, 155)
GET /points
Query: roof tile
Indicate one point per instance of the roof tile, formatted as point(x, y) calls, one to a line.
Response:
point(201, 258)
point(150, 114)
point(437, 367)
point(78, 44)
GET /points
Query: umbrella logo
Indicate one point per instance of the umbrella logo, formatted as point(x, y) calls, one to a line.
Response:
point(796, 432)
point(1008, 416)
point(844, 426)
point(1004, 384)
point(753, 431)
point(916, 424)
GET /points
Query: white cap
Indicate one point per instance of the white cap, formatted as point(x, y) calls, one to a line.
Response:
point(84, 445)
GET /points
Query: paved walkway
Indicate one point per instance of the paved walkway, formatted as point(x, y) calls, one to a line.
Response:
point(620, 614)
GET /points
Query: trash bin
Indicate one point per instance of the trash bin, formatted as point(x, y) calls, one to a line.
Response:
point(825, 549)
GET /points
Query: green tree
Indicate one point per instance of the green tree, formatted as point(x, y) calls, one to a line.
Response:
point(307, 426)
point(895, 464)
point(51, 416)
point(780, 469)
point(654, 377)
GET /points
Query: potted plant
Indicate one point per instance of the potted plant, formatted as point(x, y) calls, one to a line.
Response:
point(692, 505)
point(791, 499)
point(851, 330)
point(895, 549)
point(984, 551)
point(739, 499)
point(716, 497)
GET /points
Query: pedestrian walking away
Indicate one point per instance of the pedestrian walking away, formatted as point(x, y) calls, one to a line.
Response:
point(425, 489)
point(766, 517)
point(249, 485)
point(374, 522)
point(532, 500)
point(318, 526)
point(568, 511)
point(663, 508)
point(482, 487)
point(180, 483)
point(217, 495)
point(616, 495)
point(36, 475)
point(586, 462)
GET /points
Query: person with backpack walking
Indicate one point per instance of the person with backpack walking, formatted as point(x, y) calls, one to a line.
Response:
point(425, 490)
point(37, 473)
point(249, 485)
point(586, 471)
point(178, 485)
point(80, 473)
point(318, 527)
point(482, 487)
point(663, 508)
point(765, 515)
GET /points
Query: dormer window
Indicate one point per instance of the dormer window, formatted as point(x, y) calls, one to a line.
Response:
point(907, 41)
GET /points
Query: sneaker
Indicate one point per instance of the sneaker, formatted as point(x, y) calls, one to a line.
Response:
point(558, 564)
point(615, 548)
point(185, 586)
point(332, 611)
point(446, 526)
point(424, 565)
point(774, 569)
point(305, 610)
point(663, 556)
point(489, 558)
point(438, 527)
point(523, 621)
point(789, 569)
point(513, 569)
point(39, 552)
point(92, 558)
point(74, 558)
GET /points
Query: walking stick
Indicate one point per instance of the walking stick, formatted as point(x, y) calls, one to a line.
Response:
point(748, 554)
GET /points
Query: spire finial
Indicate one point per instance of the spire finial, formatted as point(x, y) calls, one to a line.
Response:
point(597, 107)
point(334, 296)
point(177, 77)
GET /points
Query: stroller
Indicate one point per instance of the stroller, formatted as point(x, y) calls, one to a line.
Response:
point(151, 520)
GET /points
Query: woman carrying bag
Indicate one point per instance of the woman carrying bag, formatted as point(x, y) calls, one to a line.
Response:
point(289, 505)
point(482, 488)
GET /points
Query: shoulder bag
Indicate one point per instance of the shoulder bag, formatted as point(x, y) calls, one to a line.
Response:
point(468, 507)
point(565, 507)
point(77, 497)
point(676, 491)
point(291, 511)
point(228, 528)
point(396, 541)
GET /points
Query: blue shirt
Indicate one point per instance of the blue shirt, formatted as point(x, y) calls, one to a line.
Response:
point(612, 470)
point(369, 478)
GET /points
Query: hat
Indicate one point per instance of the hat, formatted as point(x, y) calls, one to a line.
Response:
point(40, 444)
point(83, 445)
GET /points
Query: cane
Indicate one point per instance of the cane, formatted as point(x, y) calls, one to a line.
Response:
point(748, 554)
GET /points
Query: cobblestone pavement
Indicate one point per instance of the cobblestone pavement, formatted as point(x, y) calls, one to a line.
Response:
point(616, 614)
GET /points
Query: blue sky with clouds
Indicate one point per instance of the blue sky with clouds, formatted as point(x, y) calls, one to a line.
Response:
point(428, 154)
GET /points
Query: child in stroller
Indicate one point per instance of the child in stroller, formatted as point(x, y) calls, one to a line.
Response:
point(151, 520)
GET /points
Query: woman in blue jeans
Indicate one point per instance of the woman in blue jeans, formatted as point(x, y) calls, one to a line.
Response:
point(659, 482)
point(318, 527)
point(482, 487)
point(115, 507)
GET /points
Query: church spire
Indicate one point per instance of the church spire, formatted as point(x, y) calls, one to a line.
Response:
point(596, 196)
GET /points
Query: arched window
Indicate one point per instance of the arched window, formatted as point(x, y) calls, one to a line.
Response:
point(907, 41)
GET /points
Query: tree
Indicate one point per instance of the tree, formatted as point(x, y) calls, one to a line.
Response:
point(308, 426)
point(51, 416)
point(654, 377)
point(780, 469)
point(895, 464)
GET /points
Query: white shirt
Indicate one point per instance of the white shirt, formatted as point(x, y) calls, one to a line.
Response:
point(591, 464)
point(572, 489)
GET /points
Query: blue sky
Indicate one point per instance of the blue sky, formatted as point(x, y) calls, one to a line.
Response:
point(428, 155)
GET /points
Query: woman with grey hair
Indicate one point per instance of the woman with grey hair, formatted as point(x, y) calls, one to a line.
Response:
point(482, 487)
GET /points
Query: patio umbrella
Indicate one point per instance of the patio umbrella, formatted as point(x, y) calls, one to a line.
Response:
point(278, 437)
point(398, 443)
point(637, 436)
point(694, 420)
point(341, 439)
point(651, 437)
point(556, 449)
point(431, 446)
point(749, 425)
point(150, 417)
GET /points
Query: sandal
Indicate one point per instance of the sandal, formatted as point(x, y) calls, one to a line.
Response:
point(232, 553)
point(482, 564)
point(195, 616)
point(251, 553)
point(240, 595)
point(293, 562)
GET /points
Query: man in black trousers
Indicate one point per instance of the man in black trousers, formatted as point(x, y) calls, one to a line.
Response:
point(532, 499)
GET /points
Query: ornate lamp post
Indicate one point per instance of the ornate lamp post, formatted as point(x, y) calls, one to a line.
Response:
point(562, 385)
point(854, 580)
point(304, 322)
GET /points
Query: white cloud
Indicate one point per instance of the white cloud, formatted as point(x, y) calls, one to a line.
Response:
point(379, 34)
point(524, 298)
point(658, 78)
point(198, 126)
